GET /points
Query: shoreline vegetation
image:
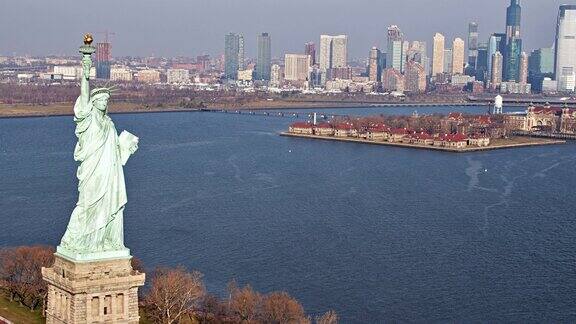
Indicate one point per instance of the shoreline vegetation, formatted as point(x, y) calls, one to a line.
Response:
point(66, 108)
point(171, 295)
point(512, 142)
point(130, 102)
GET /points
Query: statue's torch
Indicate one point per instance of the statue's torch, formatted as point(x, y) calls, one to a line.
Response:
point(86, 50)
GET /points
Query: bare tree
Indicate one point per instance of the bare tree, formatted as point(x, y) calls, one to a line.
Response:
point(20, 273)
point(281, 308)
point(137, 264)
point(330, 317)
point(173, 294)
point(244, 303)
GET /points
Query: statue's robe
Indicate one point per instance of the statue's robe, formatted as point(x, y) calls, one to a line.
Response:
point(96, 223)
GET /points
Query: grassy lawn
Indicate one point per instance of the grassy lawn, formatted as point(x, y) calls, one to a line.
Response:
point(21, 315)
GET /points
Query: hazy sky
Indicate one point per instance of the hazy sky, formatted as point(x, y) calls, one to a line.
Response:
point(191, 27)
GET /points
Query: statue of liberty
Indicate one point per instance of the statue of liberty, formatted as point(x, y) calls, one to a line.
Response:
point(95, 230)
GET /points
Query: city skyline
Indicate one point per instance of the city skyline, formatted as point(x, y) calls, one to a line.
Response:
point(205, 23)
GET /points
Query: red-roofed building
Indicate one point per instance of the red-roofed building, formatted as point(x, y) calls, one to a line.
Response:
point(345, 130)
point(398, 134)
point(451, 140)
point(479, 140)
point(324, 129)
point(422, 138)
point(450, 123)
point(378, 132)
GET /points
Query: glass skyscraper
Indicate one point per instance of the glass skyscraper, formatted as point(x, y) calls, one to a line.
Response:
point(472, 44)
point(513, 41)
point(233, 55)
point(565, 51)
point(496, 43)
point(395, 50)
point(264, 59)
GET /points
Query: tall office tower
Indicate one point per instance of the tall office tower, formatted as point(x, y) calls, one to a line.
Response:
point(472, 44)
point(438, 55)
point(103, 60)
point(297, 67)
point(233, 54)
point(512, 59)
point(395, 55)
point(523, 71)
point(374, 68)
point(541, 61)
point(482, 62)
point(333, 53)
point(565, 51)
point(264, 58)
point(241, 53)
point(447, 60)
point(513, 17)
point(415, 77)
point(458, 56)
point(496, 72)
point(496, 43)
point(310, 49)
point(511, 63)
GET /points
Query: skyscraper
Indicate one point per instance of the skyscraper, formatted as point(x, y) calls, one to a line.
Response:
point(565, 51)
point(496, 72)
point(513, 17)
point(482, 62)
point(395, 58)
point(447, 61)
point(264, 59)
point(523, 71)
point(310, 49)
point(496, 43)
point(103, 60)
point(297, 67)
point(415, 77)
point(438, 55)
point(458, 56)
point(541, 61)
point(472, 44)
point(333, 53)
point(374, 68)
point(241, 60)
point(233, 55)
point(511, 63)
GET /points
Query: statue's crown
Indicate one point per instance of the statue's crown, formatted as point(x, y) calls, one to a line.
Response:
point(98, 91)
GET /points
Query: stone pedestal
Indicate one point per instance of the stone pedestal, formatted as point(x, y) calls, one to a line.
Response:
point(103, 291)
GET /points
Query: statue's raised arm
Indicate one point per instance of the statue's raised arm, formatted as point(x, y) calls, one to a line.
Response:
point(82, 107)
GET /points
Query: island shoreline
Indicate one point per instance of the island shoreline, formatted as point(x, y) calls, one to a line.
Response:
point(535, 142)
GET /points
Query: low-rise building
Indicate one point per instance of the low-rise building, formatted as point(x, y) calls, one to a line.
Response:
point(345, 130)
point(148, 76)
point(324, 129)
point(121, 74)
point(515, 88)
point(177, 76)
point(479, 140)
point(301, 128)
point(378, 132)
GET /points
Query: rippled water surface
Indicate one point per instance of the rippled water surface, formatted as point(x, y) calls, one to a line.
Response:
point(376, 233)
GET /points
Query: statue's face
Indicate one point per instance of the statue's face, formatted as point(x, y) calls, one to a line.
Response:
point(101, 104)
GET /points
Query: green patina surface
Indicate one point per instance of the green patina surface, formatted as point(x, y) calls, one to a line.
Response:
point(95, 230)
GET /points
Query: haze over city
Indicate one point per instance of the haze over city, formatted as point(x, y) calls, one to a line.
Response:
point(188, 28)
point(287, 161)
